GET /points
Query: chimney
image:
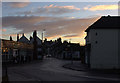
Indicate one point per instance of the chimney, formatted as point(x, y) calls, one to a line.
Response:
point(108, 15)
point(23, 34)
point(35, 46)
point(17, 37)
point(10, 38)
point(30, 38)
point(34, 34)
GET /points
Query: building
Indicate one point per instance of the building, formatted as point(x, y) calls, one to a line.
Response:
point(103, 43)
point(37, 42)
point(23, 39)
point(65, 50)
point(15, 50)
point(23, 48)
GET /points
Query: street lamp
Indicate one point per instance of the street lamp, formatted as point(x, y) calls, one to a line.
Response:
point(6, 75)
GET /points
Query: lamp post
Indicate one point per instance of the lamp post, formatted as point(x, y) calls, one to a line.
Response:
point(6, 74)
point(6, 61)
point(43, 44)
point(70, 40)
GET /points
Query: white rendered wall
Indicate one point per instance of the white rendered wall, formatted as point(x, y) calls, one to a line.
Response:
point(104, 53)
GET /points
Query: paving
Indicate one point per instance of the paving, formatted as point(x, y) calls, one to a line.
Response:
point(78, 66)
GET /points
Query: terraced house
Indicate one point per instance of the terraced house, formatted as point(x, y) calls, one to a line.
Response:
point(23, 48)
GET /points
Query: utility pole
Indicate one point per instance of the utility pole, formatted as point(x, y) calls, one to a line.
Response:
point(43, 34)
point(69, 40)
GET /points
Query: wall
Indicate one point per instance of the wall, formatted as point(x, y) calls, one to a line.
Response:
point(0, 62)
point(119, 49)
point(104, 48)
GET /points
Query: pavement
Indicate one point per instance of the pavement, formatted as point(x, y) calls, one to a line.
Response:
point(78, 66)
point(51, 69)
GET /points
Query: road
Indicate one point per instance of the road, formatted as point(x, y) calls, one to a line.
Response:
point(50, 69)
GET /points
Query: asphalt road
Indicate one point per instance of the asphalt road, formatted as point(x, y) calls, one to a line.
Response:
point(50, 69)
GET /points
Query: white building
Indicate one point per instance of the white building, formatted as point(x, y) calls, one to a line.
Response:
point(103, 43)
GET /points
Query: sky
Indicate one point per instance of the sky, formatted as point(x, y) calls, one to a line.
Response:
point(67, 20)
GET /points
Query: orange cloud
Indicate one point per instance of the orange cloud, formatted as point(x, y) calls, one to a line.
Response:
point(101, 7)
point(50, 10)
point(55, 27)
point(19, 4)
point(71, 36)
point(54, 37)
point(4, 30)
point(65, 7)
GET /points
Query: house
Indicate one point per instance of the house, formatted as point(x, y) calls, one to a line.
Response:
point(102, 50)
point(14, 49)
point(22, 48)
point(23, 39)
point(71, 51)
point(65, 50)
point(37, 42)
point(24, 52)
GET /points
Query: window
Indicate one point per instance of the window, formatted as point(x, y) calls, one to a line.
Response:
point(96, 33)
point(96, 42)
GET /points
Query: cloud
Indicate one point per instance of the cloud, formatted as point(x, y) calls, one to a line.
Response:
point(101, 7)
point(51, 10)
point(8, 35)
point(19, 4)
point(13, 35)
point(14, 0)
point(62, 7)
point(55, 26)
point(71, 35)
point(4, 30)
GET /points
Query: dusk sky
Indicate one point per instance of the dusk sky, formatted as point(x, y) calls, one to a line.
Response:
point(67, 20)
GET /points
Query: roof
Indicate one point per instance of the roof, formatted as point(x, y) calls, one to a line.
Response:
point(23, 39)
point(106, 22)
point(39, 41)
